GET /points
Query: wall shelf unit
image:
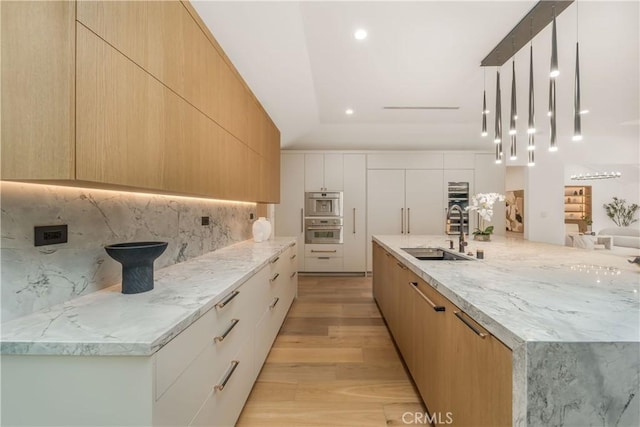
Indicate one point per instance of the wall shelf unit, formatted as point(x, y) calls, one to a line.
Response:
point(577, 205)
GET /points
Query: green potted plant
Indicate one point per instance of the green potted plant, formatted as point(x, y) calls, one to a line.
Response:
point(621, 214)
point(588, 221)
point(483, 204)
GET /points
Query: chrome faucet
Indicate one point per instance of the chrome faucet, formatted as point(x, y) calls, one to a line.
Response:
point(462, 242)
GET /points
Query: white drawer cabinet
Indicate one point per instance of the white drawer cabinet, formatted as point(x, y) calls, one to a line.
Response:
point(323, 258)
point(174, 386)
point(232, 387)
point(214, 339)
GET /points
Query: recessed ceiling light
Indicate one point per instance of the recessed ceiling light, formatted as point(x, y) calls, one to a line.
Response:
point(360, 34)
point(348, 111)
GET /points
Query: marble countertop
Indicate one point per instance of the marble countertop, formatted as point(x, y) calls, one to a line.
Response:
point(108, 322)
point(525, 291)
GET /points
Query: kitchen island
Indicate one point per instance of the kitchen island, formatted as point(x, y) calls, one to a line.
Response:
point(570, 317)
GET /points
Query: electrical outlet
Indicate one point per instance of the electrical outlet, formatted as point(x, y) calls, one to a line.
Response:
point(205, 220)
point(50, 234)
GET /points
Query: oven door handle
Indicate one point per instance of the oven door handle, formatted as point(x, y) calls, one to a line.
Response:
point(325, 228)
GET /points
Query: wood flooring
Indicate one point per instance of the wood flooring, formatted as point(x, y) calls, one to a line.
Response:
point(332, 364)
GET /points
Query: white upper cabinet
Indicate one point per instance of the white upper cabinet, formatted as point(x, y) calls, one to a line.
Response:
point(459, 160)
point(408, 160)
point(323, 172)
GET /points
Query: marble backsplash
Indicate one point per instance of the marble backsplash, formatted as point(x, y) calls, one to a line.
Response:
point(33, 278)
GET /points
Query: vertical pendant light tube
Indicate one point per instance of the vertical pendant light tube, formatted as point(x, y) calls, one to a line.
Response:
point(552, 86)
point(514, 115)
point(498, 122)
point(555, 71)
point(531, 153)
point(484, 113)
point(577, 123)
point(531, 126)
point(552, 115)
point(577, 120)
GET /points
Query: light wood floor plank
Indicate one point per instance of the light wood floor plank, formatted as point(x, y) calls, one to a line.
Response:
point(333, 363)
point(274, 391)
point(310, 341)
point(338, 414)
point(315, 355)
point(357, 391)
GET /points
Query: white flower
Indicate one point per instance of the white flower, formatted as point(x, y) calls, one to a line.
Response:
point(483, 203)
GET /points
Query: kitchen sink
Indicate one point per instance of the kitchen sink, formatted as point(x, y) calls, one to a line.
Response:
point(435, 254)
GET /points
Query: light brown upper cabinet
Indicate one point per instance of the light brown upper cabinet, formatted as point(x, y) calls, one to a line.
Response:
point(38, 97)
point(132, 94)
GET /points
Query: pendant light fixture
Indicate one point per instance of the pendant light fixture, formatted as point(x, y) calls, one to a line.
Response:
point(552, 116)
point(552, 86)
point(498, 127)
point(498, 122)
point(577, 122)
point(484, 103)
point(555, 71)
point(531, 153)
point(514, 114)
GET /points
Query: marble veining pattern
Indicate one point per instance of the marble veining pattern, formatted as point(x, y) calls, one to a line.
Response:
point(575, 334)
point(34, 278)
point(108, 322)
point(526, 291)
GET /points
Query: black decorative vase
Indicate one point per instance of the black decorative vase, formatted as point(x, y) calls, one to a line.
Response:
point(137, 263)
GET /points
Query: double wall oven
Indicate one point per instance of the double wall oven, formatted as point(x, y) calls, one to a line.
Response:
point(323, 222)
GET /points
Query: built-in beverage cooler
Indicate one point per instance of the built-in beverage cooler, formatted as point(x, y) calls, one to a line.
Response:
point(457, 194)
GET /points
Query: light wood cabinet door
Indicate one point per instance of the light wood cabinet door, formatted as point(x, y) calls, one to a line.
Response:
point(480, 374)
point(38, 91)
point(399, 276)
point(431, 346)
point(406, 338)
point(125, 118)
point(378, 273)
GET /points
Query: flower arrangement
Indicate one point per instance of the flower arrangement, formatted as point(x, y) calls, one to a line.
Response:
point(483, 204)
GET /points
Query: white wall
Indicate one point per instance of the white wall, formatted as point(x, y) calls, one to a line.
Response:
point(515, 178)
point(626, 187)
point(544, 199)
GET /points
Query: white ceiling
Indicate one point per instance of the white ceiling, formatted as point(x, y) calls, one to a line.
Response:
point(304, 65)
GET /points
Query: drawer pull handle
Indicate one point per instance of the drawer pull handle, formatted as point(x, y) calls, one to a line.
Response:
point(323, 257)
point(221, 338)
point(273, 261)
point(424, 297)
point(274, 303)
point(273, 279)
point(466, 322)
point(292, 274)
point(401, 266)
point(227, 299)
point(227, 375)
point(292, 256)
point(323, 252)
